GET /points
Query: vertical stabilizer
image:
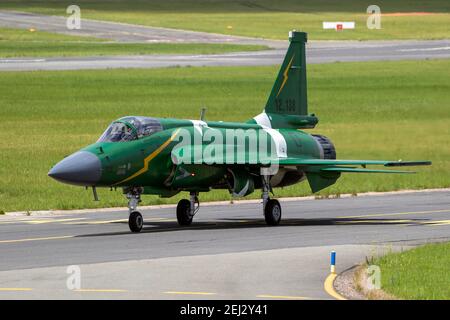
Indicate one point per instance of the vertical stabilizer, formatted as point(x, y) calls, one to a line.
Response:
point(288, 94)
point(287, 106)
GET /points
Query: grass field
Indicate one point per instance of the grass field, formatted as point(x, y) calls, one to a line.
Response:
point(23, 43)
point(262, 18)
point(371, 110)
point(420, 273)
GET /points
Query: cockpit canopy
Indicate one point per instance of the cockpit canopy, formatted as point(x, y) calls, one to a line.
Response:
point(130, 128)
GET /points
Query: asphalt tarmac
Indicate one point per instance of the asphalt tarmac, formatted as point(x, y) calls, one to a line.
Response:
point(228, 252)
point(122, 32)
point(317, 51)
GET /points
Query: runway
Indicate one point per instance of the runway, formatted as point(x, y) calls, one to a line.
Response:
point(228, 252)
point(122, 32)
point(317, 51)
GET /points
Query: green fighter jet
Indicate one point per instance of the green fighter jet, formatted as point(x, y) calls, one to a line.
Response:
point(144, 155)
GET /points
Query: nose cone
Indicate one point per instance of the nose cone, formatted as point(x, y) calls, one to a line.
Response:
point(81, 168)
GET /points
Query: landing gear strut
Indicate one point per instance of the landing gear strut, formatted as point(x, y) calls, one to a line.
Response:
point(271, 207)
point(186, 209)
point(135, 220)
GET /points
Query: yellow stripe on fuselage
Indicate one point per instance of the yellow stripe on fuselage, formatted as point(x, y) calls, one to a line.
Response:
point(150, 158)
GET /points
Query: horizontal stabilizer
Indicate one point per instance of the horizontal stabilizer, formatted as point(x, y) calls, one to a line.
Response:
point(407, 163)
point(359, 170)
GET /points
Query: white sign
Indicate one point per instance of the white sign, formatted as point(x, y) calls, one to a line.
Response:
point(339, 25)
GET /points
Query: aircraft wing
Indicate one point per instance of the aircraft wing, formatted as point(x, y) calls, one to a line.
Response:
point(336, 163)
point(321, 164)
point(320, 173)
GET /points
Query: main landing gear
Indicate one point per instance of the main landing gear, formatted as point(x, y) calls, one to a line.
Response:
point(135, 220)
point(186, 209)
point(271, 207)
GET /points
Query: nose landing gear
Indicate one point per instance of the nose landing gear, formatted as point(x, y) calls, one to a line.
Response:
point(135, 220)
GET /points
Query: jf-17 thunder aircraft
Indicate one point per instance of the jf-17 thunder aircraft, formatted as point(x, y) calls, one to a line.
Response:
point(162, 156)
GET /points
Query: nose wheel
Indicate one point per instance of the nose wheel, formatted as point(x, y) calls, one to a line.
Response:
point(135, 220)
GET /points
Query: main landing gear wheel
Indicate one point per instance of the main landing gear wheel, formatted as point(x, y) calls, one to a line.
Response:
point(272, 212)
point(271, 207)
point(186, 209)
point(135, 221)
point(184, 215)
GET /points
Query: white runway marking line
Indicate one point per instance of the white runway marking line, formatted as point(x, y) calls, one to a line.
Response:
point(394, 214)
point(191, 293)
point(21, 60)
point(36, 239)
point(101, 290)
point(117, 221)
point(39, 221)
point(404, 222)
point(12, 221)
point(394, 221)
point(52, 220)
point(97, 222)
point(15, 289)
point(424, 49)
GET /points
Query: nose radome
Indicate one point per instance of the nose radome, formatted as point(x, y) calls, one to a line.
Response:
point(81, 168)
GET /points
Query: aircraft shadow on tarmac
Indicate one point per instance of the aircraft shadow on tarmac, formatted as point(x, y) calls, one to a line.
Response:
point(164, 226)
